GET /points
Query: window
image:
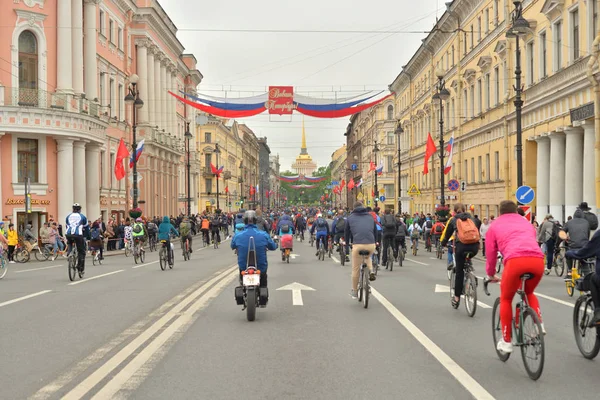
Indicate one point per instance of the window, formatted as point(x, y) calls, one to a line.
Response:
point(389, 191)
point(487, 92)
point(479, 170)
point(487, 166)
point(207, 161)
point(452, 56)
point(119, 104)
point(111, 30)
point(390, 138)
point(479, 97)
point(497, 165)
point(390, 112)
point(557, 46)
point(28, 69)
point(575, 35)
point(543, 55)
point(207, 137)
point(496, 12)
point(389, 163)
point(497, 85)
point(464, 43)
point(465, 171)
point(208, 185)
point(486, 20)
point(101, 83)
point(27, 157)
point(448, 115)
point(120, 38)
point(102, 172)
point(479, 29)
point(111, 97)
point(473, 170)
point(472, 36)
point(102, 23)
point(529, 55)
point(113, 179)
point(472, 101)
point(465, 104)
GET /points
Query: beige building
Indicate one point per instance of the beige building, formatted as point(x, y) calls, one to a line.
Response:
point(304, 164)
point(338, 172)
point(237, 154)
point(477, 61)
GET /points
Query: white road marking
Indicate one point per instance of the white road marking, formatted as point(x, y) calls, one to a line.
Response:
point(144, 265)
point(446, 289)
point(559, 301)
point(95, 277)
point(418, 262)
point(335, 259)
point(433, 258)
point(466, 380)
point(296, 289)
point(104, 370)
point(179, 325)
point(38, 269)
point(29, 296)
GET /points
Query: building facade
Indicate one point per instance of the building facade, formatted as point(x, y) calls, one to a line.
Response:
point(477, 61)
point(275, 184)
point(304, 165)
point(338, 172)
point(264, 171)
point(62, 109)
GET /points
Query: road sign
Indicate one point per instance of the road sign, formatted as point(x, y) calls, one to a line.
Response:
point(354, 167)
point(360, 196)
point(381, 198)
point(525, 194)
point(237, 203)
point(296, 289)
point(453, 185)
point(335, 183)
point(463, 186)
point(382, 190)
point(527, 210)
point(414, 190)
point(368, 202)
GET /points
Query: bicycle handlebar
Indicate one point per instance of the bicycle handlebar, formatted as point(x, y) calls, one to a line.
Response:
point(486, 281)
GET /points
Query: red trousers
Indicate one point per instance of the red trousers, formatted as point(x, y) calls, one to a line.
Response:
point(511, 282)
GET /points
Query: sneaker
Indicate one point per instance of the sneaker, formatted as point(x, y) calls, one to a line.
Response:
point(354, 294)
point(372, 276)
point(450, 266)
point(543, 329)
point(504, 347)
point(568, 277)
point(547, 272)
point(11, 262)
point(317, 254)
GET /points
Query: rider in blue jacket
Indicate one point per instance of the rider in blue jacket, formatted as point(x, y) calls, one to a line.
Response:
point(262, 243)
point(164, 233)
point(286, 219)
point(322, 228)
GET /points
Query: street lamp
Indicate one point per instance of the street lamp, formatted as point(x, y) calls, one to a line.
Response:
point(188, 136)
point(520, 27)
point(217, 152)
point(133, 98)
point(441, 95)
point(376, 150)
point(398, 132)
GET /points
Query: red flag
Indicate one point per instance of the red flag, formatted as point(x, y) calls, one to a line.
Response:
point(342, 184)
point(226, 189)
point(252, 190)
point(122, 154)
point(373, 193)
point(351, 184)
point(372, 166)
point(430, 150)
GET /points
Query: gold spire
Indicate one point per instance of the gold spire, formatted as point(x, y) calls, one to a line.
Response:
point(303, 148)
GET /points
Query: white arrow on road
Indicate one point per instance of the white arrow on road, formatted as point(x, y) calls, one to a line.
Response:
point(296, 289)
point(524, 195)
point(446, 289)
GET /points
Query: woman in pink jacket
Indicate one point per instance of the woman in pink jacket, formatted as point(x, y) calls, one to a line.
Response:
point(515, 238)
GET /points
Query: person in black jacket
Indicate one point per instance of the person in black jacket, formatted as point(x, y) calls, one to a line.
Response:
point(591, 249)
point(401, 234)
point(361, 231)
point(389, 224)
point(578, 229)
point(591, 218)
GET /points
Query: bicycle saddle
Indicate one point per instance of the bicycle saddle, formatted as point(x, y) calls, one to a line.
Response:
point(363, 252)
point(468, 255)
point(526, 276)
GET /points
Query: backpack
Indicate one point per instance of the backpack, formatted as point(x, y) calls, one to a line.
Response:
point(555, 230)
point(95, 234)
point(389, 222)
point(216, 223)
point(439, 229)
point(184, 228)
point(340, 225)
point(321, 223)
point(467, 231)
point(429, 224)
point(151, 226)
point(205, 224)
point(285, 228)
point(137, 228)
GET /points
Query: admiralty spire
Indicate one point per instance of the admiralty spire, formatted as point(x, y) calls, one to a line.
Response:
point(304, 164)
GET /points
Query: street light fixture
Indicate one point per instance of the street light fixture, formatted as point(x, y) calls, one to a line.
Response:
point(441, 95)
point(520, 27)
point(376, 150)
point(133, 98)
point(217, 152)
point(188, 137)
point(399, 131)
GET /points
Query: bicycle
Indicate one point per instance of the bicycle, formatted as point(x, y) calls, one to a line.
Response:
point(205, 239)
point(439, 250)
point(415, 241)
point(428, 243)
point(558, 262)
point(342, 251)
point(375, 259)
point(96, 257)
point(185, 246)
point(469, 285)
point(127, 247)
point(311, 240)
point(72, 263)
point(524, 340)
point(21, 254)
point(138, 251)
point(587, 336)
point(329, 247)
point(364, 286)
point(215, 241)
point(321, 250)
point(152, 243)
point(3, 263)
point(499, 263)
point(390, 258)
point(163, 257)
point(581, 268)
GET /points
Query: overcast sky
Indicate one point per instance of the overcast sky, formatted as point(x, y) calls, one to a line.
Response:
point(316, 64)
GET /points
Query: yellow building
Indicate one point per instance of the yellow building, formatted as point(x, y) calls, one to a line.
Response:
point(304, 164)
point(338, 172)
point(470, 50)
point(237, 154)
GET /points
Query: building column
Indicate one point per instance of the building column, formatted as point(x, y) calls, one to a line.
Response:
point(151, 101)
point(92, 180)
point(172, 103)
point(557, 175)
point(142, 70)
point(170, 112)
point(64, 48)
point(90, 37)
point(573, 169)
point(163, 96)
point(157, 91)
point(77, 38)
point(64, 162)
point(543, 176)
point(589, 165)
point(79, 176)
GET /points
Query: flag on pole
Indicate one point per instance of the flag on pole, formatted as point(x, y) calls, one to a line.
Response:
point(122, 154)
point(216, 171)
point(138, 153)
point(429, 151)
point(359, 184)
point(379, 169)
point(450, 150)
point(226, 189)
point(350, 184)
point(371, 166)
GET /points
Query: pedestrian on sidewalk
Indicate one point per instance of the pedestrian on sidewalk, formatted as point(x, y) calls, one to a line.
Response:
point(482, 231)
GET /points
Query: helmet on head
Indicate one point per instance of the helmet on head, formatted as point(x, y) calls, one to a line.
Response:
point(329, 213)
point(319, 215)
point(138, 219)
point(250, 217)
point(76, 207)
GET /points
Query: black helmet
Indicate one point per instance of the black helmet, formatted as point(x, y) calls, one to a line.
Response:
point(76, 207)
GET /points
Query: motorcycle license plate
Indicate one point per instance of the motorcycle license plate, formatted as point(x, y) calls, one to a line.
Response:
point(251, 280)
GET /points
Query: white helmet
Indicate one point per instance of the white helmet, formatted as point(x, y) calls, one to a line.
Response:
point(319, 215)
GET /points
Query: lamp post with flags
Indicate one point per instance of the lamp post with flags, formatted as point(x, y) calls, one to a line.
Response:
point(217, 152)
point(441, 95)
point(133, 98)
point(376, 150)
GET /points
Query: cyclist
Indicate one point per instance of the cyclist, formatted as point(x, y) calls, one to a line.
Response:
point(239, 224)
point(436, 230)
point(152, 230)
point(339, 226)
point(375, 214)
point(138, 231)
point(466, 241)
point(215, 227)
point(322, 229)
point(285, 227)
point(165, 229)
point(361, 230)
point(579, 233)
point(300, 225)
point(389, 233)
point(591, 249)
point(204, 227)
point(96, 240)
point(415, 231)
point(400, 237)
point(427, 228)
point(76, 224)
point(185, 231)
point(127, 232)
point(224, 226)
point(515, 238)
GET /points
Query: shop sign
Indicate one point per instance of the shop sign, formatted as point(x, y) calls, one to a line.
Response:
point(582, 113)
point(10, 202)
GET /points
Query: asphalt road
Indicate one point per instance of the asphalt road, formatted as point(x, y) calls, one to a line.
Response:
point(134, 331)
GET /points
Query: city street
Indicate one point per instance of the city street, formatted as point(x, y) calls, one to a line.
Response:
point(134, 331)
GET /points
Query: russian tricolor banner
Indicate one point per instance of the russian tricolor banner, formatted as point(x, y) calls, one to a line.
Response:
point(450, 150)
point(138, 153)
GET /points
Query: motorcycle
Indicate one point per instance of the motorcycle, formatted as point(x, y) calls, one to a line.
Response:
point(250, 294)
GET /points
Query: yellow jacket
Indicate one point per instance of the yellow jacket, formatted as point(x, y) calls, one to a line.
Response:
point(13, 238)
point(445, 228)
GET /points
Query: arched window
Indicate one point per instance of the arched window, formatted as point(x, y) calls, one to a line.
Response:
point(390, 112)
point(28, 68)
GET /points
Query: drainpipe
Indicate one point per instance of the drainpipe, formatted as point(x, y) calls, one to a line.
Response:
point(590, 75)
point(506, 124)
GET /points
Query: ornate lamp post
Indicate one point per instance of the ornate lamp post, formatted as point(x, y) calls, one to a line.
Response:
point(217, 152)
point(399, 131)
point(133, 98)
point(188, 136)
point(441, 95)
point(376, 150)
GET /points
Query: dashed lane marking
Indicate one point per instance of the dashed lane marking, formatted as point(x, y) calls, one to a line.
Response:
point(95, 277)
point(145, 265)
point(415, 261)
point(29, 296)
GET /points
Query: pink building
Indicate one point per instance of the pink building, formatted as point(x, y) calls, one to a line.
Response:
point(62, 109)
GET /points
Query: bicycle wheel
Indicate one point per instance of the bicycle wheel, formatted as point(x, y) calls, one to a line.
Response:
point(497, 330)
point(99, 260)
point(135, 256)
point(3, 267)
point(532, 348)
point(72, 267)
point(360, 284)
point(142, 256)
point(22, 256)
point(559, 265)
point(570, 288)
point(452, 281)
point(342, 258)
point(366, 288)
point(127, 251)
point(470, 294)
point(586, 337)
point(172, 260)
point(400, 256)
point(94, 259)
point(390, 260)
point(162, 258)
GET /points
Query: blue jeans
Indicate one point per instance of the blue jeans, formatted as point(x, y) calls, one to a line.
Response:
point(58, 245)
point(450, 253)
point(324, 236)
point(550, 243)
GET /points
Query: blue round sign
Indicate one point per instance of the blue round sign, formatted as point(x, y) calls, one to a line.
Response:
point(525, 194)
point(354, 167)
point(453, 185)
point(381, 198)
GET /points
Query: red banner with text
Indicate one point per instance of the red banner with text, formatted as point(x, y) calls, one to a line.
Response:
point(281, 100)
